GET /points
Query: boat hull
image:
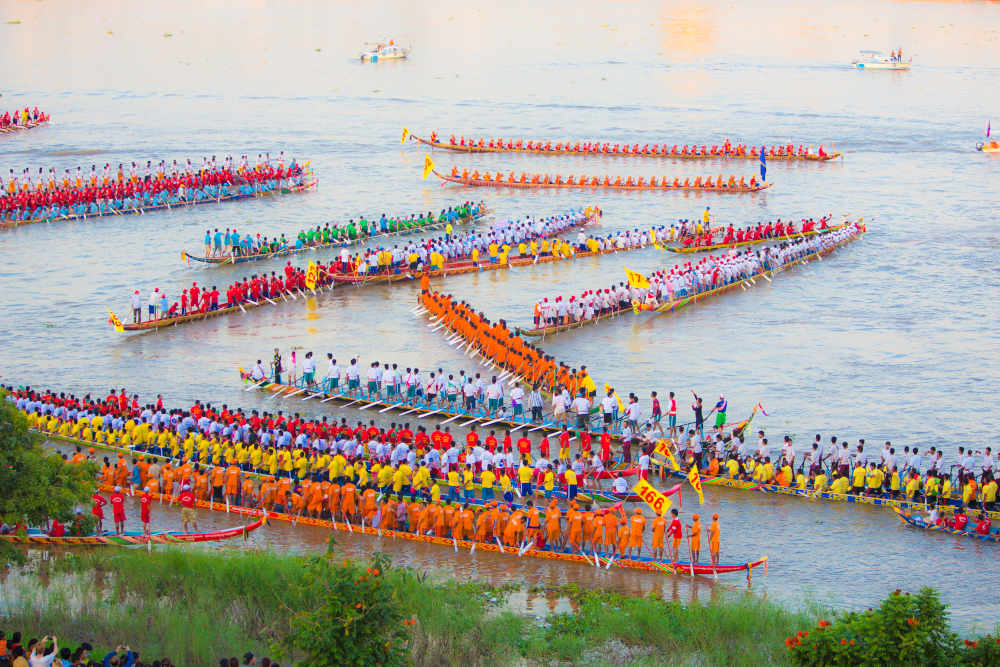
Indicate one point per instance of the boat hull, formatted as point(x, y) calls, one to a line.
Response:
point(138, 210)
point(669, 155)
point(908, 518)
point(646, 564)
point(35, 538)
point(480, 182)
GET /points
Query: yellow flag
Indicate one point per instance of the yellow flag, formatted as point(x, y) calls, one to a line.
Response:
point(312, 275)
point(115, 322)
point(428, 165)
point(663, 449)
point(636, 280)
point(607, 388)
point(652, 236)
point(406, 133)
point(656, 500)
point(695, 480)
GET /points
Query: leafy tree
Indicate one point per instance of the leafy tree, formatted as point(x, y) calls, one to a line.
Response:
point(35, 483)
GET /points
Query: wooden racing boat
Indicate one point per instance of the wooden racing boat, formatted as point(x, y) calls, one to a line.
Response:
point(10, 129)
point(740, 244)
point(917, 522)
point(137, 210)
point(467, 266)
point(287, 252)
point(405, 407)
point(533, 551)
point(603, 149)
point(163, 322)
point(595, 183)
point(682, 302)
point(810, 494)
point(558, 328)
point(37, 537)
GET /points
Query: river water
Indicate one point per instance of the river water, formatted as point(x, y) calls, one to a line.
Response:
point(893, 337)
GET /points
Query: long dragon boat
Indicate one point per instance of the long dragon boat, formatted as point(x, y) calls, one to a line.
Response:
point(586, 497)
point(532, 551)
point(288, 252)
point(809, 494)
point(682, 302)
point(10, 129)
point(917, 522)
point(405, 407)
point(537, 181)
point(164, 322)
point(308, 184)
point(466, 266)
point(740, 244)
point(606, 149)
point(130, 538)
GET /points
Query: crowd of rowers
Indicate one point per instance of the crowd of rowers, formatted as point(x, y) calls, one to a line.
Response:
point(682, 281)
point(292, 280)
point(21, 118)
point(231, 244)
point(502, 347)
point(605, 181)
point(125, 188)
point(247, 291)
point(336, 472)
point(530, 239)
point(468, 394)
point(299, 449)
point(759, 232)
point(599, 148)
point(837, 467)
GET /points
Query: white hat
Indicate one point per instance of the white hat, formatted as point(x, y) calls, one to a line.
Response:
point(118, 488)
point(187, 487)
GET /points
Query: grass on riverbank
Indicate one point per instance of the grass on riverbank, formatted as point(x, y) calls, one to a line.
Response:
point(195, 606)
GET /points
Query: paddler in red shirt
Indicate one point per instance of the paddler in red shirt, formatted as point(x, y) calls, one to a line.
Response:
point(144, 504)
point(674, 531)
point(118, 510)
point(98, 511)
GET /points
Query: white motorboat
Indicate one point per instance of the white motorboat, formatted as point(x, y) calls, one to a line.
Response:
point(878, 60)
point(385, 51)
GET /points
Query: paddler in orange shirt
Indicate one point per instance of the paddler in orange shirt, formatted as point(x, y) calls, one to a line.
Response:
point(694, 535)
point(636, 529)
point(713, 540)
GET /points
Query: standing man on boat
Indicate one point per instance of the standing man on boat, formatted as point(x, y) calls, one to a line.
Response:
point(276, 366)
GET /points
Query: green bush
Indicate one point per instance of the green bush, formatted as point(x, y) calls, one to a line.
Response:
point(355, 618)
point(905, 630)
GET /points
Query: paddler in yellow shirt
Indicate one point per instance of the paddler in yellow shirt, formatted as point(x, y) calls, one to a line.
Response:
point(454, 482)
point(302, 466)
point(912, 486)
point(819, 483)
point(524, 474)
point(989, 494)
point(840, 486)
point(383, 478)
point(858, 479)
point(468, 482)
point(874, 479)
point(506, 487)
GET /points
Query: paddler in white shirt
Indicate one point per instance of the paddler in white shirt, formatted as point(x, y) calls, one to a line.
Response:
point(332, 379)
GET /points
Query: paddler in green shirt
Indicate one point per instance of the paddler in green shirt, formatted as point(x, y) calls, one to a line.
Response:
point(363, 224)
